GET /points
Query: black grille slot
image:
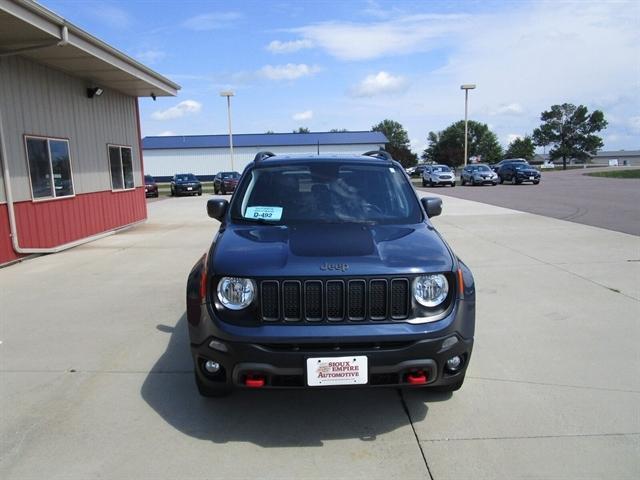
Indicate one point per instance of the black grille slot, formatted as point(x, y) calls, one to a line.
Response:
point(335, 300)
point(270, 300)
point(291, 305)
point(357, 299)
point(378, 299)
point(399, 298)
point(313, 300)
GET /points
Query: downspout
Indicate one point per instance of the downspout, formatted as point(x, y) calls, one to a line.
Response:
point(64, 40)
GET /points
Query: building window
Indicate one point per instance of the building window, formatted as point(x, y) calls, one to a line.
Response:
point(121, 165)
point(49, 167)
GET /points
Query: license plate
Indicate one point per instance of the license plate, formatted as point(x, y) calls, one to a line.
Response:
point(324, 372)
point(189, 188)
point(531, 178)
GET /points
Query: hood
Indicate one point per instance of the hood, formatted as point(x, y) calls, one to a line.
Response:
point(328, 250)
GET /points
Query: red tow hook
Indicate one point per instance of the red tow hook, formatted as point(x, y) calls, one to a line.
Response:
point(417, 378)
point(254, 381)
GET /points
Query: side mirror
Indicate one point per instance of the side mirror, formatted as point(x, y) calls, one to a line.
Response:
point(432, 205)
point(216, 208)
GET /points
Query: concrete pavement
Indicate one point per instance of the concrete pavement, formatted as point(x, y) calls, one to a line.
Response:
point(96, 380)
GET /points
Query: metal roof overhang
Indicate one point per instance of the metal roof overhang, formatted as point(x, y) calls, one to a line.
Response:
point(33, 31)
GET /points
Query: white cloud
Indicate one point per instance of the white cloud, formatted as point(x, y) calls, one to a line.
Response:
point(276, 46)
point(150, 56)
point(306, 115)
point(186, 107)
point(511, 137)
point(381, 83)
point(290, 71)
point(365, 41)
point(167, 133)
point(211, 21)
point(507, 109)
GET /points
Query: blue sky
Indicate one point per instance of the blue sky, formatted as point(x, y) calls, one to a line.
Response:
point(350, 64)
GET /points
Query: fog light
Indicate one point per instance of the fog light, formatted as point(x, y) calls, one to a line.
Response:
point(454, 363)
point(211, 367)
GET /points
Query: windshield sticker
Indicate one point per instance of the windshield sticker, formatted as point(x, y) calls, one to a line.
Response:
point(265, 213)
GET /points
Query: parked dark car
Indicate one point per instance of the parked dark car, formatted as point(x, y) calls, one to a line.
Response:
point(518, 172)
point(185, 184)
point(225, 182)
point(434, 175)
point(150, 186)
point(496, 166)
point(478, 174)
point(325, 272)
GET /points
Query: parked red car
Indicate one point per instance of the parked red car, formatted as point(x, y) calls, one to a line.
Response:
point(225, 182)
point(150, 186)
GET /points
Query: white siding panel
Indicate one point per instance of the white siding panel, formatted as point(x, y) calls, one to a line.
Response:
point(209, 161)
point(38, 100)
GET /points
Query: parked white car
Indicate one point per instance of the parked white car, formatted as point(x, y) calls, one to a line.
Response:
point(438, 175)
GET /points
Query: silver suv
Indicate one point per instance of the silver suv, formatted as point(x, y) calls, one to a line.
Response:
point(438, 175)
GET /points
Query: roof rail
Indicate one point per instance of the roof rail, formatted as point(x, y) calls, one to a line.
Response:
point(382, 154)
point(262, 155)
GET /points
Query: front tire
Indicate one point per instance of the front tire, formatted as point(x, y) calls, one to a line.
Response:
point(500, 180)
point(453, 184)
point(463, 182)
point(536, 182)
point(424, 184)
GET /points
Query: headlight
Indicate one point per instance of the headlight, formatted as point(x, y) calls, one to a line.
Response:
point(236, 293)
point(430, 290)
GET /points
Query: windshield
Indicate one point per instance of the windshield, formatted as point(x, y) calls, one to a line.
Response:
point(186, 177)
point(148, 179)
point(522, 166)
point(227, 175)
point(441, 168)
point(326, 193)
point(479, 168)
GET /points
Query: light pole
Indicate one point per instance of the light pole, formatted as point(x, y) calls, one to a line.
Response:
point(229, 94)
point(466, 87)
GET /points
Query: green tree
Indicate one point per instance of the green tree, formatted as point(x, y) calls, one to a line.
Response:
point(521, 148)
point(430, 154)
point(338, 130)
point(571, 130)
point(398, 146)
point(269, 132)
point(447, 146)
point(302, 130)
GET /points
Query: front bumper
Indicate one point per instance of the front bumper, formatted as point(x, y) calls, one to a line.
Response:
point(278, 353)
point(528, 178)
point(484, 181)
point(443, 181)
point(151, 191)
point(189, 190)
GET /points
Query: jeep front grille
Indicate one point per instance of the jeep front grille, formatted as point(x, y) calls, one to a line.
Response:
point(335, 300)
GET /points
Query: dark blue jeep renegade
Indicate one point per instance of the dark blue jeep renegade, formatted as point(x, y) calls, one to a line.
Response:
point(327, 272)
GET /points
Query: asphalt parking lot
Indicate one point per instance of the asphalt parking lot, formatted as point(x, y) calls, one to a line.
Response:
point(96, 379)
point(610, 203)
